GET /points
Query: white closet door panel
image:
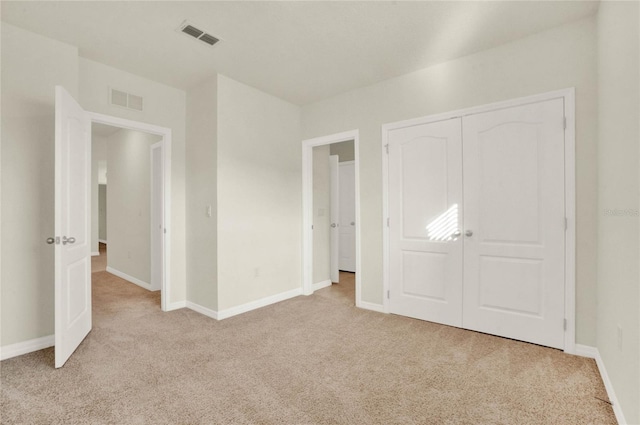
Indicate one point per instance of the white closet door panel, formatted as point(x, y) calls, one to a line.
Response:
point(425, 196)
point(347, 217)
point(514, 205)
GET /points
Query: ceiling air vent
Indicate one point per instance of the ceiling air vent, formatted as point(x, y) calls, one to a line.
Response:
point(191, 30)
point(125, 100)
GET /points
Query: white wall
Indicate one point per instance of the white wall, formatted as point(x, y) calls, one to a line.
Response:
point(102, 212)
point(128, 209)
point(344, 150)
point(321, 214)
point(31, 66)
point(201, 175)
point(98, 154)
point(259, 194)
point(556, 59)
point(163, 106)
point(618, 224)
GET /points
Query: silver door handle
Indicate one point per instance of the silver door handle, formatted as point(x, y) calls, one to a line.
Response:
point(66, 240)
point(333, 225)
point(468, 233)
point(456, 234)
point(51, 241)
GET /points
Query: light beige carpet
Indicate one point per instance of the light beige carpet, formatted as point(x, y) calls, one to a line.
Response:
point(308, 360)
point(99, 262)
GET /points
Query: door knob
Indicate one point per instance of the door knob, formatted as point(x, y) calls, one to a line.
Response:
point(66, 240)
point(333, 225)
point(51, 241)
point(468, 233)
point(353, 223)
point(456, 234)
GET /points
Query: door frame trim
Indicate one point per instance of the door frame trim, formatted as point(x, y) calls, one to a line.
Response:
point(165, 133)
point(568, 96)
point(307, 206)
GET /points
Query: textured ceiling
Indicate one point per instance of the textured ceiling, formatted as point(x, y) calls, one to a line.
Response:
point(299, 51)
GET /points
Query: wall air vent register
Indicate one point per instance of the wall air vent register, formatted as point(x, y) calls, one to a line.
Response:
point(125, 100)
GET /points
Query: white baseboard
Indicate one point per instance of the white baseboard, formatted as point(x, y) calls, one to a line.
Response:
point(26, 347)
point(102, 241)
point(176, 305)
point(321, 284)
point(594, 353)
point(371, 306)
point(586, 351)
point(202, 310)
point(95, 254)
point(131, 279)
point(243, 308)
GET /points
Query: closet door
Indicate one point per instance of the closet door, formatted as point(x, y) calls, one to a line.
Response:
point(425, 197)
point(347, 217)
point(515, 223)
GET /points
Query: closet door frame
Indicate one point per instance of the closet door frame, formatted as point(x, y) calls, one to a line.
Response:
point(568, 95)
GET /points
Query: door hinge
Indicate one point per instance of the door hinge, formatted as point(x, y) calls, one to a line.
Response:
point(564, 122)
point(565, 324)
point(388, 294)
point(387, 148)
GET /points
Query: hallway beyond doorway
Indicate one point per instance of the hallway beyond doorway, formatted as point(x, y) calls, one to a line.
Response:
point(99, 262)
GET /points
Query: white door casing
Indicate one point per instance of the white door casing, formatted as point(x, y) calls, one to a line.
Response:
point(347, 217)
point(165, 133)
point(72, 226)
point(425, 206)
point(335, 208)
point(514, 205)
point(307, 211)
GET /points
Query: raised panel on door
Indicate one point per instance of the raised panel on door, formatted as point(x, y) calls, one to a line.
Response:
point(514, 205)
point(425, 196)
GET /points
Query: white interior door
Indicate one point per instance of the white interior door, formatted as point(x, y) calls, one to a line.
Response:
point(335, 208)
point(425, 204)
point(72, 226)
point(514, 206)
point(347, 215)
point(157, 210)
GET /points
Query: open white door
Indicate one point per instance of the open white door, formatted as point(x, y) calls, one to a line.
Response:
point(72, 226)
point(335, 210)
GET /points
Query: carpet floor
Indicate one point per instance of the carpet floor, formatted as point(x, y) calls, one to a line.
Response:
point(307, 360)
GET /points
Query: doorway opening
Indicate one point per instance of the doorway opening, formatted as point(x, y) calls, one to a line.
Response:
point(331, 214)
point(131, 198)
